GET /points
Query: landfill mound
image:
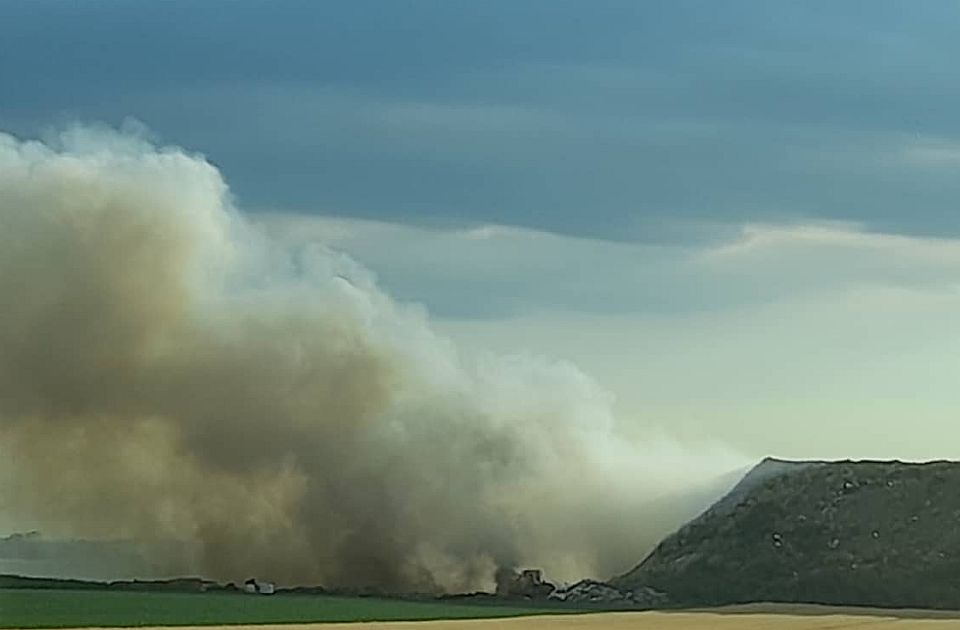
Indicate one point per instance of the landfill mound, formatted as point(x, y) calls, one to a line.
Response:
point(865, 533)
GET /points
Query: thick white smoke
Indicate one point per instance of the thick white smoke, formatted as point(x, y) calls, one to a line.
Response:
point(167, 372)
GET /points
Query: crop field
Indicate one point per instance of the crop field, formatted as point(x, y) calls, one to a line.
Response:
point(22, 608)
point(84, 609)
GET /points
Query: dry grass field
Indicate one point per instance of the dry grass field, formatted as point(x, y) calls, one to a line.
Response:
point(642, 621)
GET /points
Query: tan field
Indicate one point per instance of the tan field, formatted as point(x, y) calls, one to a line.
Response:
point(805, 620)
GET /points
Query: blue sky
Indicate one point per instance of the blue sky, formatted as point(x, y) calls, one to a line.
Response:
point(741, 217)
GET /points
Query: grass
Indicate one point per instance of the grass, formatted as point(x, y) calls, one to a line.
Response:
point(22, 608)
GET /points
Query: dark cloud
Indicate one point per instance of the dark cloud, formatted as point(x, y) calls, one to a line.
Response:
point(635, 117)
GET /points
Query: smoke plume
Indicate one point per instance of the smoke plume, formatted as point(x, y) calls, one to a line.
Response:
point(169, 373)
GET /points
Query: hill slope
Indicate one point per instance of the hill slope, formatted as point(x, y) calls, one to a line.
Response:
point(858, 533)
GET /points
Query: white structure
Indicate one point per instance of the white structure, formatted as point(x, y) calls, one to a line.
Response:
point(256, 587)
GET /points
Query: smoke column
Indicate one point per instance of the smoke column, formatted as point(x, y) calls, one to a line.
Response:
point(169, 373)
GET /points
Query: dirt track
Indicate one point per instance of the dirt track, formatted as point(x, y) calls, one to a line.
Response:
point(637, 621)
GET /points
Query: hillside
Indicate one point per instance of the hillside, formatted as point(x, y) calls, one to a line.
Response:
point(858, 533)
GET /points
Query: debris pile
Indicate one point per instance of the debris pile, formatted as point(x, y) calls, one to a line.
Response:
point(596, 592)
point(525, 584)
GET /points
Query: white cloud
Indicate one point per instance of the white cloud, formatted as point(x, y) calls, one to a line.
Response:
point(932, 152)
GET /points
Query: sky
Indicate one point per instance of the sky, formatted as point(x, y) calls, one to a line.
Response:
point(740, 218)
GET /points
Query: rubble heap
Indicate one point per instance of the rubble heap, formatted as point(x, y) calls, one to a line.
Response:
point(595, 592)
point(525, 584)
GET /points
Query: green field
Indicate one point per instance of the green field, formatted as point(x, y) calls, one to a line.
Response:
point(21, 608)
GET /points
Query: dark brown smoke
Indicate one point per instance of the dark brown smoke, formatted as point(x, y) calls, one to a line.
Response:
point(168, 373)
